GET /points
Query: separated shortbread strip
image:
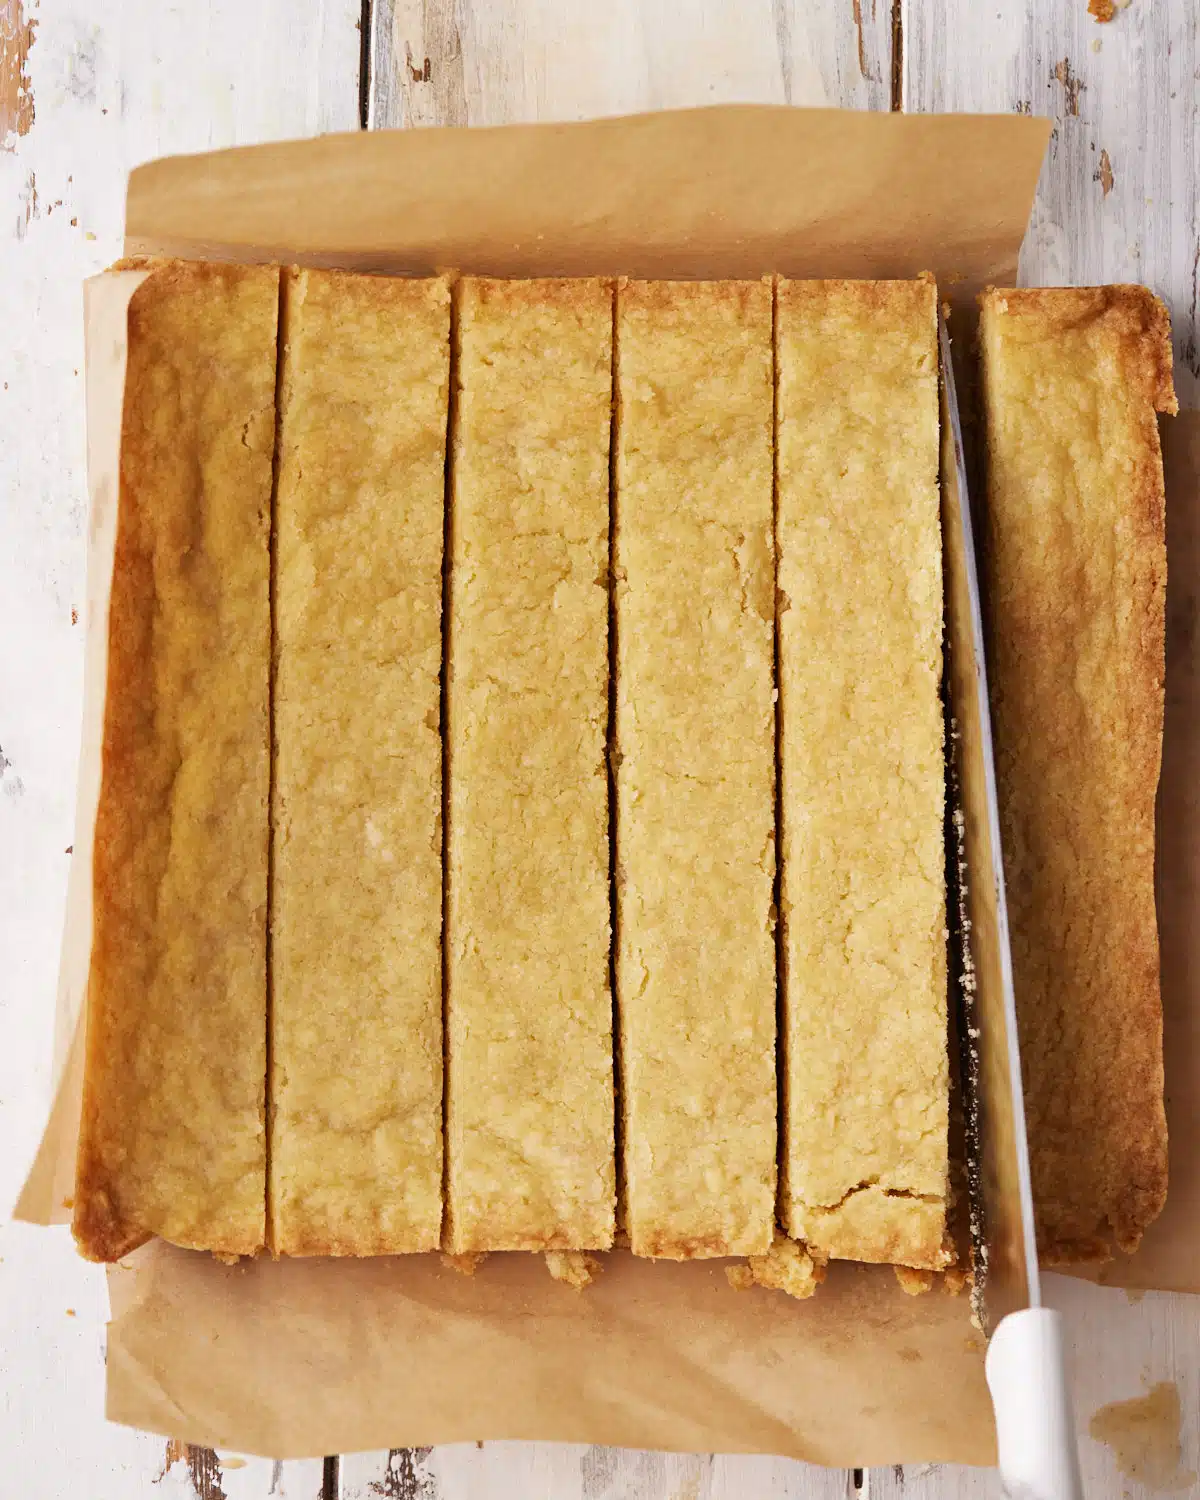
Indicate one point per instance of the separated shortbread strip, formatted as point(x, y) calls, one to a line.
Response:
point(1076, 577)
point(529, 1009)
point(172, 1139)
point(864, 1139)
point(356, 1001)
point(695, 743)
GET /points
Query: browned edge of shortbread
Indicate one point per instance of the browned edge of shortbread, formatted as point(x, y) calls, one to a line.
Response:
point(102, 1229)
point(1133, 314)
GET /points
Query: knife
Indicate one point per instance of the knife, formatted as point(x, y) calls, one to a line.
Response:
point(1035, 1432)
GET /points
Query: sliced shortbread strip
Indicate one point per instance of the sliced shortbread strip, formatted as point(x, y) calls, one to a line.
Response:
point(1076, 582)
point(695, 737)
point(864, 1141)
point(529, 1010)
point(356, 1056)
point(172, 1138)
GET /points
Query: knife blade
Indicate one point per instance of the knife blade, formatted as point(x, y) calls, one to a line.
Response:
point(1009, 1273)
point(1038, 1456)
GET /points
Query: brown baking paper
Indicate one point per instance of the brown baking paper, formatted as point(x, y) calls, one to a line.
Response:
point(295, 1358)
point(303, 1357)
point(46, 1196)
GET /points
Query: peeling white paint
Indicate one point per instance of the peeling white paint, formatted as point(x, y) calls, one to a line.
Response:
point(1138, 98)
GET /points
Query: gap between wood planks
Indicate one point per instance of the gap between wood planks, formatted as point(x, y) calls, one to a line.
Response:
point(897, 73)
point(366, 20)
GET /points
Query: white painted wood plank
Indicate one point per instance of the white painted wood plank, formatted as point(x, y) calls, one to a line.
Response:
point(1122, 1345)
point(1118, 198)
point(571, 1471)
point(111, 86)
point(52, 1430)
point(491, 62)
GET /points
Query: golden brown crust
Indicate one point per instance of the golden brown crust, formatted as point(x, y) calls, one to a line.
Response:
point(741, 300)
point(171, 1138)
point(695, 742)
point(101, 1231)
point(563, 294)
point(913, 1283)
point(865, 1075)
point(1132, 317)
point(356, 1060)
point(1076, 574)
point(882, 1228)
point(896, 301)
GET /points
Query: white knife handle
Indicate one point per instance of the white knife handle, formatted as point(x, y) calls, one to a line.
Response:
point(1035, 1428)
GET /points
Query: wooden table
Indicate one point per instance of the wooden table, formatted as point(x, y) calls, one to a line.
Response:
point(83, 99)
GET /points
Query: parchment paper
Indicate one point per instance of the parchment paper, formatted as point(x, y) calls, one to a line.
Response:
point(734, 191)
point(46, 1196)
point(304, 1357)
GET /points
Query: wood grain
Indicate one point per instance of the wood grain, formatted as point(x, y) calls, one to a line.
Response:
point(1122, 1344)
point(571, 1471)
point(1118, 194)
point(495, 62)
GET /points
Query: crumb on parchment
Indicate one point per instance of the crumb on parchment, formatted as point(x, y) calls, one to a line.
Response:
point(786, 1267)
point(574, 1267)
point(915, 1283)
point(953, 1280)
point(466, 1264)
